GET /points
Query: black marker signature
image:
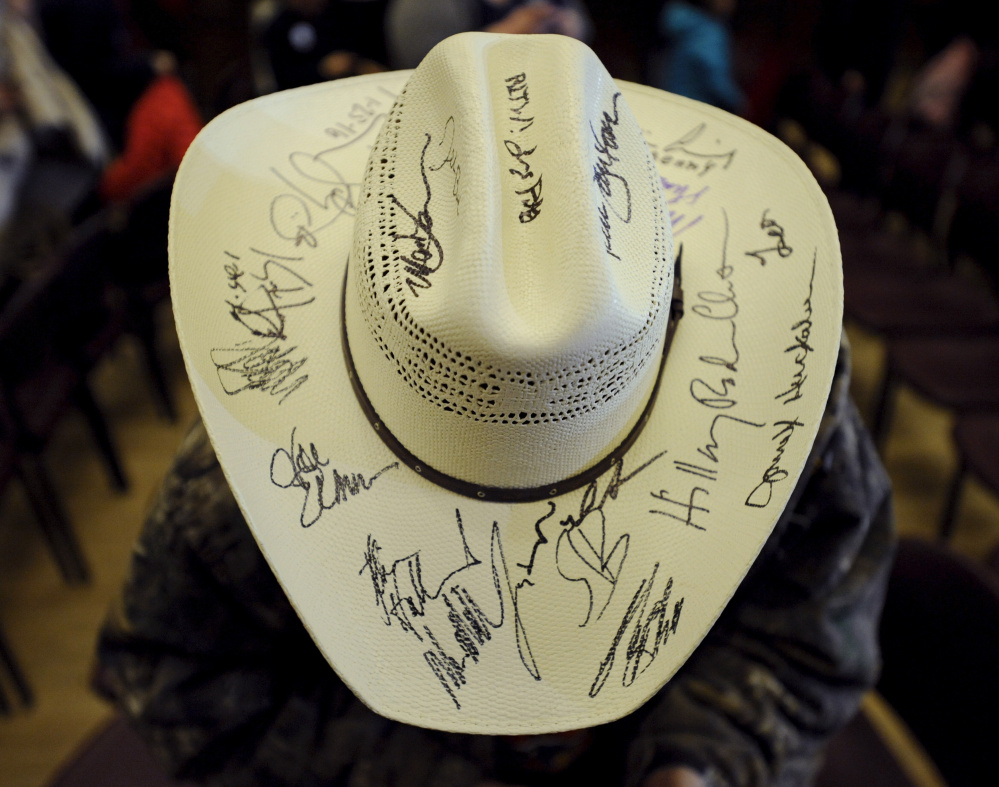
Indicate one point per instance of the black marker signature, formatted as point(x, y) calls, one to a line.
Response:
point(719, 306)
point(679, 154)
point(404, 599)
point(260, 303)
point(516, 93)
point(319, 184)
point(517, 97)
point(709, 448)
point(523, 168)
point(699, 471)
point(774, 474)
point(775, 231)
point(269, 367)
point(582, 553)
point(451, 159)
point(298, 467)
point(263, 310)
point(613, 186)
point(688, 507)
point(428, 256)
point(649, 635)
point(531, 203)
point(801, 348)
point(363, 117)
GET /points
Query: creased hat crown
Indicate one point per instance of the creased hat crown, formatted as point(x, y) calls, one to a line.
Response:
point(511, 271)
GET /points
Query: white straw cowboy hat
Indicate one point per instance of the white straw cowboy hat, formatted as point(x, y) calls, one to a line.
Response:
point(433, 326)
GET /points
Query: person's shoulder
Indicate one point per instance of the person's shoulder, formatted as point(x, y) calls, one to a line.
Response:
point(197, 509)
point(196, 457)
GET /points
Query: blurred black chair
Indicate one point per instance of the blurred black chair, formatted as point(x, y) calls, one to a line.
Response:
point(863, 140)
point(9, 665)
point(52, 330)
point(918, 303)
point(956, 373)
point(139, 270)
point(921, 180)
point(898, 284)
point(939, 636)
point(976, 213)
point(939, 640)
point(976, 438)
point(25, 464)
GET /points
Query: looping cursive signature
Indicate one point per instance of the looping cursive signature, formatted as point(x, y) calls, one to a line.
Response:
point(261, 304)
point(681, 154)
point(450, 158)
point(318, 194)
point(649, 635)
point(613, 186)
point(317, 184)
point(404, 599)
point(427, 256)
point(583, 553)
point(323, 488)
point(775, 231)
point(802, 330)
point(763, 492)
point(263, 309)
point(520, 166)
point(719, 306)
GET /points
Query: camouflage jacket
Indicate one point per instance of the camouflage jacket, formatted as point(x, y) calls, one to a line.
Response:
point(207, 656)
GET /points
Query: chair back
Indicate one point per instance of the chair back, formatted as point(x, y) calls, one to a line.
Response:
point(940, 640)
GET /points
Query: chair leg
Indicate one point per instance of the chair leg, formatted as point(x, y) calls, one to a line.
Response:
point(4, 703)
point(145, 332)
point(952, 503)
point(884, 408)
point(99, 428)
point(8, 661)
point(56, 527)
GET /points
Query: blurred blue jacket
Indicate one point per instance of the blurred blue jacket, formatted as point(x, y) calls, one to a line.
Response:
point(697, 61)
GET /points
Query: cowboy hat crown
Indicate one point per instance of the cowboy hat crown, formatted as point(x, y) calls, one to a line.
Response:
point(510, 278)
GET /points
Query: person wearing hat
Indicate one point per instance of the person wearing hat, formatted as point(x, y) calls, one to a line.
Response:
point(526, 451)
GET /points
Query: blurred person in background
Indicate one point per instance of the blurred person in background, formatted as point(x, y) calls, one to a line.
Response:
point(38, 96)
point(414, 27)
point(52, 146)
point(696, 60)
point(147, 110)
point(957, 84)
point(90, 40)
point(311, 41)
point(159, 128)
